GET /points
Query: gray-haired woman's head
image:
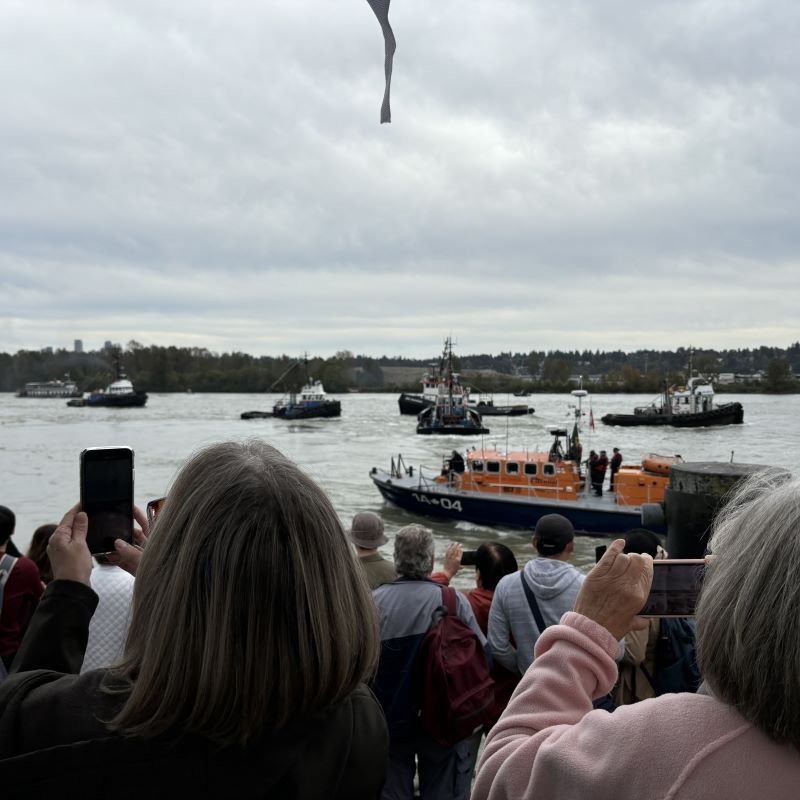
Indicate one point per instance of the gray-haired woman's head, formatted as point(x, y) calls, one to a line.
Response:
point(413, 552)
point(748, 617)
point(249, 607)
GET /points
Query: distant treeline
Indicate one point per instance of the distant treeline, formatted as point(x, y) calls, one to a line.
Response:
point(177, 369)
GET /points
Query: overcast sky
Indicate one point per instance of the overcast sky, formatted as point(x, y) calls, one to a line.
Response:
point(558, 174)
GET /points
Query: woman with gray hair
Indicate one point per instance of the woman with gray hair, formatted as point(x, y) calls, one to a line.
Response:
point(252, 632)
point(738, 738)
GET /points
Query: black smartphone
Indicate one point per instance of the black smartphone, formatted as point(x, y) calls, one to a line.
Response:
point(107, 496)
point(599, 552)
point(468, 558)
point(676, 588)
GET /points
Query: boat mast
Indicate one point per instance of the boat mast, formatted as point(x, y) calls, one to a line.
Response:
point(294, 364)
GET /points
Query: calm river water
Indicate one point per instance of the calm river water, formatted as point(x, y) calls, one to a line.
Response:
point(40, 441)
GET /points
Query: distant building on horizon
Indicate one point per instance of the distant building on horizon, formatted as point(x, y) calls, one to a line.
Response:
point(48, 351)
point(78, 346)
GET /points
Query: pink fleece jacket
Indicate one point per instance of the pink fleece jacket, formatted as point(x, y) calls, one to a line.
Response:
point(550, 744)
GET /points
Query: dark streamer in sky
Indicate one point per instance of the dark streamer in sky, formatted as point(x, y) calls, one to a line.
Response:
point(381, 9)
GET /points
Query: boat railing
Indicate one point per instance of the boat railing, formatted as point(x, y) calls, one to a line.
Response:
point(532, 490)
point(398, 467)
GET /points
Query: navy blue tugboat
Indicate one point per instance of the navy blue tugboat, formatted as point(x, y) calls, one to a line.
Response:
point(312, 402)
point(118, 394)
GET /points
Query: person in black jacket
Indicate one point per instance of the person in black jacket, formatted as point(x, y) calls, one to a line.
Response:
point(251, 634)
point(615, 464)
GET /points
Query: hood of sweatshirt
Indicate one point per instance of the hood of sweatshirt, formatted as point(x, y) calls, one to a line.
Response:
point(549, 577)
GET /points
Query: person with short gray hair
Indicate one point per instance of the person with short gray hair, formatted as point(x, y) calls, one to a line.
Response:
point(406, 610)
point(366, 533)
point(738, 737)
point(413, 552)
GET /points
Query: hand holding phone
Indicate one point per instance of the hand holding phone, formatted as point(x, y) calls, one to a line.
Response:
point(107, 496)
point(615, 589)
point(69, 556)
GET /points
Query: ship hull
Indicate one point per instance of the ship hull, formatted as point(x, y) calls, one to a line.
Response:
point(325, 408)
point(589, 516)
point(450, 430)
point(416, 403)
point(727, 414)
point(135, 400)
point(412, 403)
point(486, 410)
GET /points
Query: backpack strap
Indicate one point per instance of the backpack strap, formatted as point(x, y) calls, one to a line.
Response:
point(7, 563)
point(531, 597)
point(449, 601)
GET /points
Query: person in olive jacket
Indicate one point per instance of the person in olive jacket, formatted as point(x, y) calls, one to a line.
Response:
point(251, 634)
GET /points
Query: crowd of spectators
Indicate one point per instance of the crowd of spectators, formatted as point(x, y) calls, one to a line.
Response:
point(249, 645)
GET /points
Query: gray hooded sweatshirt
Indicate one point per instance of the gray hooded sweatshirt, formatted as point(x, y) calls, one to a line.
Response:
point(555, 584)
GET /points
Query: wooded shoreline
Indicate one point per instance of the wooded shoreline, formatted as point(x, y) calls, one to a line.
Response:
point(180, 369)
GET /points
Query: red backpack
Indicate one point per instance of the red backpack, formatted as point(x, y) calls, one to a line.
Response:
point(455, 690)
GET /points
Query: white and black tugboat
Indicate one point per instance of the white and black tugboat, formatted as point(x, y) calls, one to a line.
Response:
point(691, 406)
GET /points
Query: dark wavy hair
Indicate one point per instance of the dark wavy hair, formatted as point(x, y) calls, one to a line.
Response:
point(37, 552)
point(494, 560)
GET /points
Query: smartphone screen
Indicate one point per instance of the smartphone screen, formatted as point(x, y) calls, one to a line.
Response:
point(599, 552)
point(676, 588)
point(468, 558)
point(107, 496)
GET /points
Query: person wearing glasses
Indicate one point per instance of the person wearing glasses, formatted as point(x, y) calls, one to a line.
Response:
point(251, 635)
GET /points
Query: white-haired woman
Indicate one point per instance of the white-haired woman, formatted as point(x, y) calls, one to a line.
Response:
point(252, 630)
point(738, 738)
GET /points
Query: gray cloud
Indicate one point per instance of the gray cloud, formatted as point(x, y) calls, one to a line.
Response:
point(558, 174)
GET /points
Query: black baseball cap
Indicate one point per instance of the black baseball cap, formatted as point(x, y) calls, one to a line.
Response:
point(553, 533)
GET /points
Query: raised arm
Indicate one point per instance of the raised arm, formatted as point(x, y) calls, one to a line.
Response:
point(539, 746)
point(57, 635)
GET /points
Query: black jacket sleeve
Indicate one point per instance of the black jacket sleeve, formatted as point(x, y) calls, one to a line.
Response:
point(365, 771)
point(59, 630)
